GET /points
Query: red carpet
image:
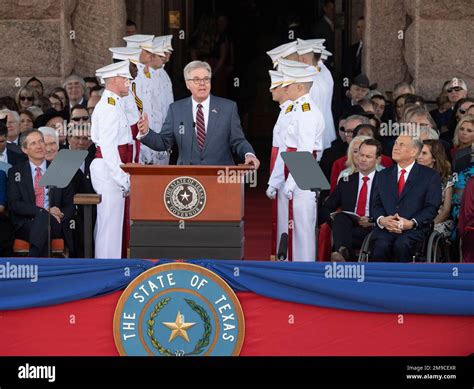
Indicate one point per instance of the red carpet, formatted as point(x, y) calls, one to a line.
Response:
point(258, 223)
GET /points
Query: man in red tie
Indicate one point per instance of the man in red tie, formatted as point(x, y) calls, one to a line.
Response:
point(206, 128)
point(405, 197)
point(29, 203)
point(352, 198)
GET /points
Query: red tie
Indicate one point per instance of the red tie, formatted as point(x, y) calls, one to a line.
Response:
point(362, 200)
point(201, 127)
point(401, 182)
point(39, 192)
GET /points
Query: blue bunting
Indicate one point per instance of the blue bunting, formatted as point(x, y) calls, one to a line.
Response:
point(446, 289)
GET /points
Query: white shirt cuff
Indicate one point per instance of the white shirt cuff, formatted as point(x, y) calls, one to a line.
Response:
point(378, 222)
point(140, 136)
point(247, 154)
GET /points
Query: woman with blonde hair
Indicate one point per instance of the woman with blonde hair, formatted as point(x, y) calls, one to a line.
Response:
point(353, 157)
point(463, 135)
point(26, 97)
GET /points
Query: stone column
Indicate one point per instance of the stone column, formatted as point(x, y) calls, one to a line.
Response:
point(435, 43)
point(35, 42)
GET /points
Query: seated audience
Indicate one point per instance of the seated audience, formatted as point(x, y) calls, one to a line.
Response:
point(433, 156)
point(405, 197)
point(26, 97)
point(353, 195)
point(26, 121)
point(466, 222)
point(9, 153)
point(37, 85)
point(30, 205)
point(6, 227)
point(51, 142)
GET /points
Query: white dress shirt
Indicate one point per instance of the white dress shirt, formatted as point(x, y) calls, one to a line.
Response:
point(43, 171)
point(3, 156)
point(369, 188)
point(407, 173)
point(205, 111)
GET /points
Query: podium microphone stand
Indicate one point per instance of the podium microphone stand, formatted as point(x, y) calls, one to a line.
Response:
point(308, 176)
point(58, 175)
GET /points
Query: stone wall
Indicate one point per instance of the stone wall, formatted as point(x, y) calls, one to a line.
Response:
point(36, 39)
point(98, 25)
point(434, 45)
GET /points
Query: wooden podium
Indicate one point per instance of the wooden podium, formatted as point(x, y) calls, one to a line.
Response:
point(187, 211)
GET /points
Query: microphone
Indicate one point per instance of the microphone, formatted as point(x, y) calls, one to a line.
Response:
point(282, 247)
point(192, 143)
point(181, 131)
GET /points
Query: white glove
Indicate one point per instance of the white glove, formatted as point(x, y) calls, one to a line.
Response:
point(289, 188)
point(271, 192)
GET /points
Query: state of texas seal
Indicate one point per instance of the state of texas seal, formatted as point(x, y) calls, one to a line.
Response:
point(178, 309)
point(185, 197)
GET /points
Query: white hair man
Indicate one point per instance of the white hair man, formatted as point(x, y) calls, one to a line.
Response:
point(13, 125)
point(75, 87)
point(190, 122)
point(110, 131)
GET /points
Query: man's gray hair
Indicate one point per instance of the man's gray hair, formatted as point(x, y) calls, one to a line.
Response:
point(196, 65)
point(432, 134)
point(404, 84)
point(74, 77)
point(361, 119)
point(48, 131)
point(15, 114)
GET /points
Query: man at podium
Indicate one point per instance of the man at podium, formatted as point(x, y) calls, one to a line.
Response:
point(205, 128)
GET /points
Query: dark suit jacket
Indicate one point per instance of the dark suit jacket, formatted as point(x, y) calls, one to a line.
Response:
point(344, 196)
point(15, 155)
point(420, 199)
point(21, 196)
point(81, 182)
point(224, 136)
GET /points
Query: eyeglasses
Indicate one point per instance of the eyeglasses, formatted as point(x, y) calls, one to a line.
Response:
point(455, 89)
point(342, 129)
point(198, 81)
point(29, 98)
point(79, 118)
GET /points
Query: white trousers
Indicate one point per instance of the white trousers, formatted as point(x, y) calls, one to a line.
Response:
point(304, 223)
point(282, 221)
point(110, 212)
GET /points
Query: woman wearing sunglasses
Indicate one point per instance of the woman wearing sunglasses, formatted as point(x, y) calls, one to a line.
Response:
point(25, 97)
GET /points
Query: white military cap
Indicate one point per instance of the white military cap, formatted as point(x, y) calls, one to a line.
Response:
point(286, 63)
point(139, 39)
point(309, 46)
point(118, 69)
point(325, 54)
point(276, 79)
point(282, 51)
point(123, 53)
point(156, 47)
point(166, 42)
point(298, 75)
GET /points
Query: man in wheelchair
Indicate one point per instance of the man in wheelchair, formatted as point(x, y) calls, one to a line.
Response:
point(347, 208)
point(405, 198)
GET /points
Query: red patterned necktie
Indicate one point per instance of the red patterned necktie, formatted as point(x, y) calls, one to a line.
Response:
point(401, 182)
point(201, 127)
point(362, 200)
point(39, 192)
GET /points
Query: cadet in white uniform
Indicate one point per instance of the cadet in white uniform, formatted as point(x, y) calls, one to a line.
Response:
point(322, 89)
point(304, 133)
point(132, 103)
point(277, 173)
point(110, 131)
point(147, 92)
point(164, 80)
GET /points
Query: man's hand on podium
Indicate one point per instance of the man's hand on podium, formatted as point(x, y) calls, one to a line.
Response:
point(251, 159)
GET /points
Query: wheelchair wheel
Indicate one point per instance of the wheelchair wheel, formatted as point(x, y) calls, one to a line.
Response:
point(364, 252)
point(438, 248)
